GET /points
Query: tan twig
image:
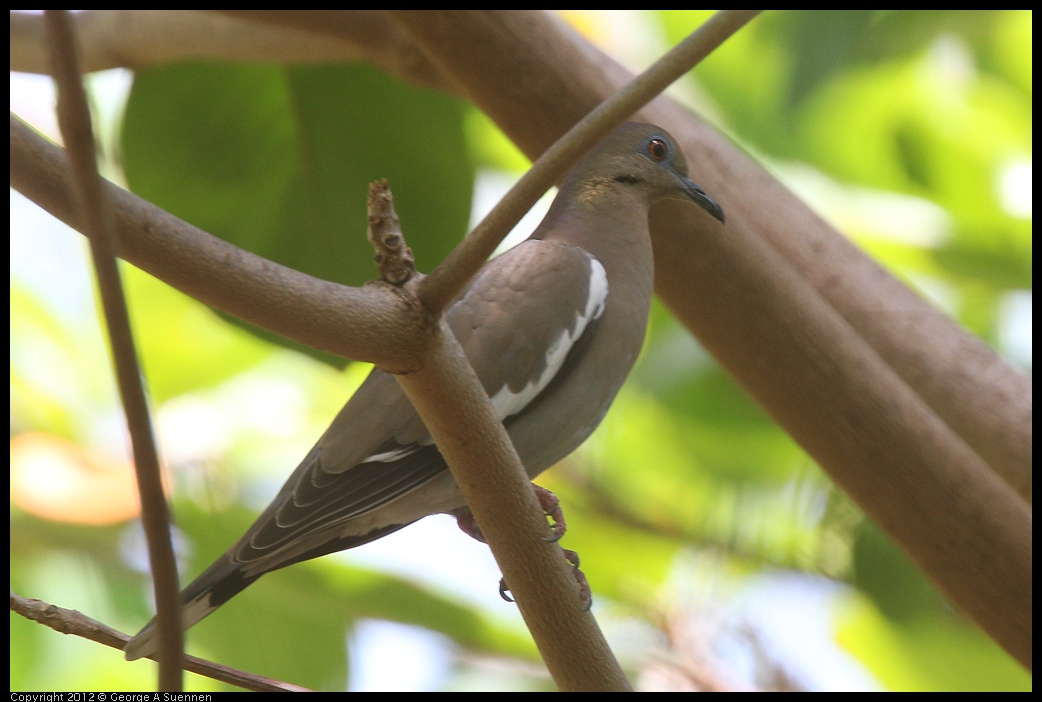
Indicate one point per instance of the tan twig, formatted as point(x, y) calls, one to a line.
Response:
point(393, 257)
point(74, 623)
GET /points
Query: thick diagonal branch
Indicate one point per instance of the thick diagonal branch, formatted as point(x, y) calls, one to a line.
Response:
point(835, 348)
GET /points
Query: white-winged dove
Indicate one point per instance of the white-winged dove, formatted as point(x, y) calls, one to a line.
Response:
point(552, 328)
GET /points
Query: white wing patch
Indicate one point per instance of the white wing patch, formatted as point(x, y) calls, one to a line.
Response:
point(507, 402)
point(395, 454)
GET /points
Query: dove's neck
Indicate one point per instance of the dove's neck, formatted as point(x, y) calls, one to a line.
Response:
point(611, 224)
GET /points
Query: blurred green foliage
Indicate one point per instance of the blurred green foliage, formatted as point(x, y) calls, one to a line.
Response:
point(911, 130)
point(278, 161)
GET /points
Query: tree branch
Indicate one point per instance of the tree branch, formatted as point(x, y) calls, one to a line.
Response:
point(367, 32)
point(74, 120)
point(448, 395)
point(69, 621)
point(376, 323)
point(139, 39)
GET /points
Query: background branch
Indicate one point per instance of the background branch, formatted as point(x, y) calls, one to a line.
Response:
point(69, 621)
point(774, 331)
point(138, 39)
point(74, 119)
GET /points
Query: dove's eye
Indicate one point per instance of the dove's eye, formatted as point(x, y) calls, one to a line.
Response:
point(658, 149)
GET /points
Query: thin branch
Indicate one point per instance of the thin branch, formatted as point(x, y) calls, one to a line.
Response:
point(72, 622)
point(450, 277)
point(74, 120)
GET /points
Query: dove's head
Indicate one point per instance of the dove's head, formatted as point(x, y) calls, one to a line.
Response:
point(642, 159)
